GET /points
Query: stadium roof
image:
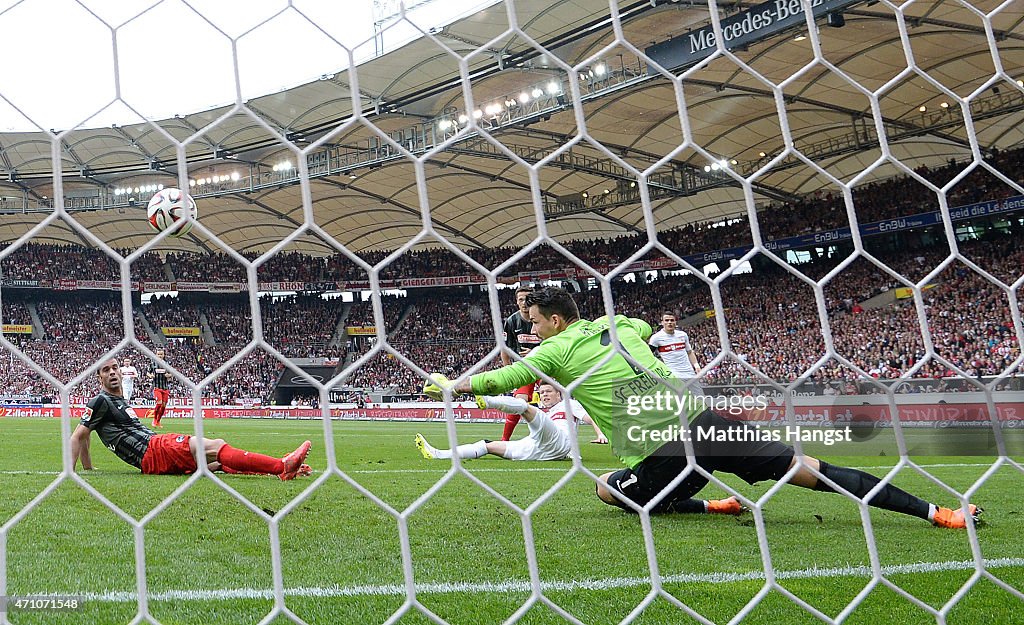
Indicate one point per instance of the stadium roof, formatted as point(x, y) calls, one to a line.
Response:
point(363, 191)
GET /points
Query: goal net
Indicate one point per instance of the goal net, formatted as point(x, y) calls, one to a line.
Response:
point(823, 198)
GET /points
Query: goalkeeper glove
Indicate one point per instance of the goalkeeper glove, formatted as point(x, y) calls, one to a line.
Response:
point(435, 385)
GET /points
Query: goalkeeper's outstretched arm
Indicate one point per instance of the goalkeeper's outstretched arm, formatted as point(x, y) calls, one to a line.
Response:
point(501, 380)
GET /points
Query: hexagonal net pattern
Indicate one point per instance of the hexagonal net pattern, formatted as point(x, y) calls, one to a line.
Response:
point(479, 129)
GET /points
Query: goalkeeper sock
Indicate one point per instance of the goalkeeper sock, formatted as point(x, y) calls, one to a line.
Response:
point(511, 421)
point(685, 506)
point(245, 461)
point(860, 483)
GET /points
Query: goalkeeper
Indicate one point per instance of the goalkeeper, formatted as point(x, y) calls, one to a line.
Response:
point(571, 347)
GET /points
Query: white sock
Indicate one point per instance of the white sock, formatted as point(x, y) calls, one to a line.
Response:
point(931, 512)
point(471, 450)
point(506, 404)
point(440, 454)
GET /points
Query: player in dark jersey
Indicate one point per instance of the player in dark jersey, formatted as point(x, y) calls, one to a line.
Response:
point(520, 339)
point(112, 418)
point(160, 393)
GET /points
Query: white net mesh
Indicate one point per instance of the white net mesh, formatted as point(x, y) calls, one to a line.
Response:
point(530, 114)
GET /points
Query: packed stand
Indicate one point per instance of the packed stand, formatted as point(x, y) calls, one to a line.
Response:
point(53, 262)
point(230, 319)
point(171, 312)
point(15, 312)
point(300, 326)
point(823, 210)
point(896, 197)
point(360, 314)
point(900, 196)
point(216, 267)
point(148, 268)
point(779, 332)
point(446, 330)
point(291, 267)
point(771, 315)
point(85, 325)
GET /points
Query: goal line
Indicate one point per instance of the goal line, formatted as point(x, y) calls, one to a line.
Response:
point(608, 583)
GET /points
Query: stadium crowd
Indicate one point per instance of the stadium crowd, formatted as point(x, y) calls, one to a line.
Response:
point(899, 196)
point(771, 315)
point(52, 262)
point(87, 324)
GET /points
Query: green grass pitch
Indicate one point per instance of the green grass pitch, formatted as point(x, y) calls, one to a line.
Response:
point(208, 558)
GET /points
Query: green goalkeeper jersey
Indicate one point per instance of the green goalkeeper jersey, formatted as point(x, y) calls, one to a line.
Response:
point(607, 393)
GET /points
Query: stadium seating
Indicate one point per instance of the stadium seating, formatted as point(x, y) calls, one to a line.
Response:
point(771, 316)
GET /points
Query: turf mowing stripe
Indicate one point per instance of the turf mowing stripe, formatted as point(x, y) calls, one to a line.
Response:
point(524, 586)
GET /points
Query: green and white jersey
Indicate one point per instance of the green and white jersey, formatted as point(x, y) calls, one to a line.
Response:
point(607, 392)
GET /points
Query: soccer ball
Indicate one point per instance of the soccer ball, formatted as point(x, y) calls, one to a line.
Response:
point(170, 206)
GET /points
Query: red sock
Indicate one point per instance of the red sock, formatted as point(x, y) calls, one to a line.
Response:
point(511, 421)
point(245, 461)
point(231, 471)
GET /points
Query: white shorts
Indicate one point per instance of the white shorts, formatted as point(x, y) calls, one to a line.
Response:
point(546, 441)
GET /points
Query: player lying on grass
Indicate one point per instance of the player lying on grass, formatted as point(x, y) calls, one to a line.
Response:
point(549, 430)
point(572, 346)
point(120, 430)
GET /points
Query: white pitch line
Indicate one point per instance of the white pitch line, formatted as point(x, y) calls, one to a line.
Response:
point(612, 583)
point(472, 469)
point(444, 467)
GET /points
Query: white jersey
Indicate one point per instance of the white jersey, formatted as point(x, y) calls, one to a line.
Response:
point(128, 375)
point(674, 350)
point(559, 415)
point(549, 435)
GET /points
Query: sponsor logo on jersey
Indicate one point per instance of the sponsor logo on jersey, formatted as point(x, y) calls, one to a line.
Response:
point(558, 416)
point(532, 339)
point(87, 415)
point(674, 347)
point(180, 439)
